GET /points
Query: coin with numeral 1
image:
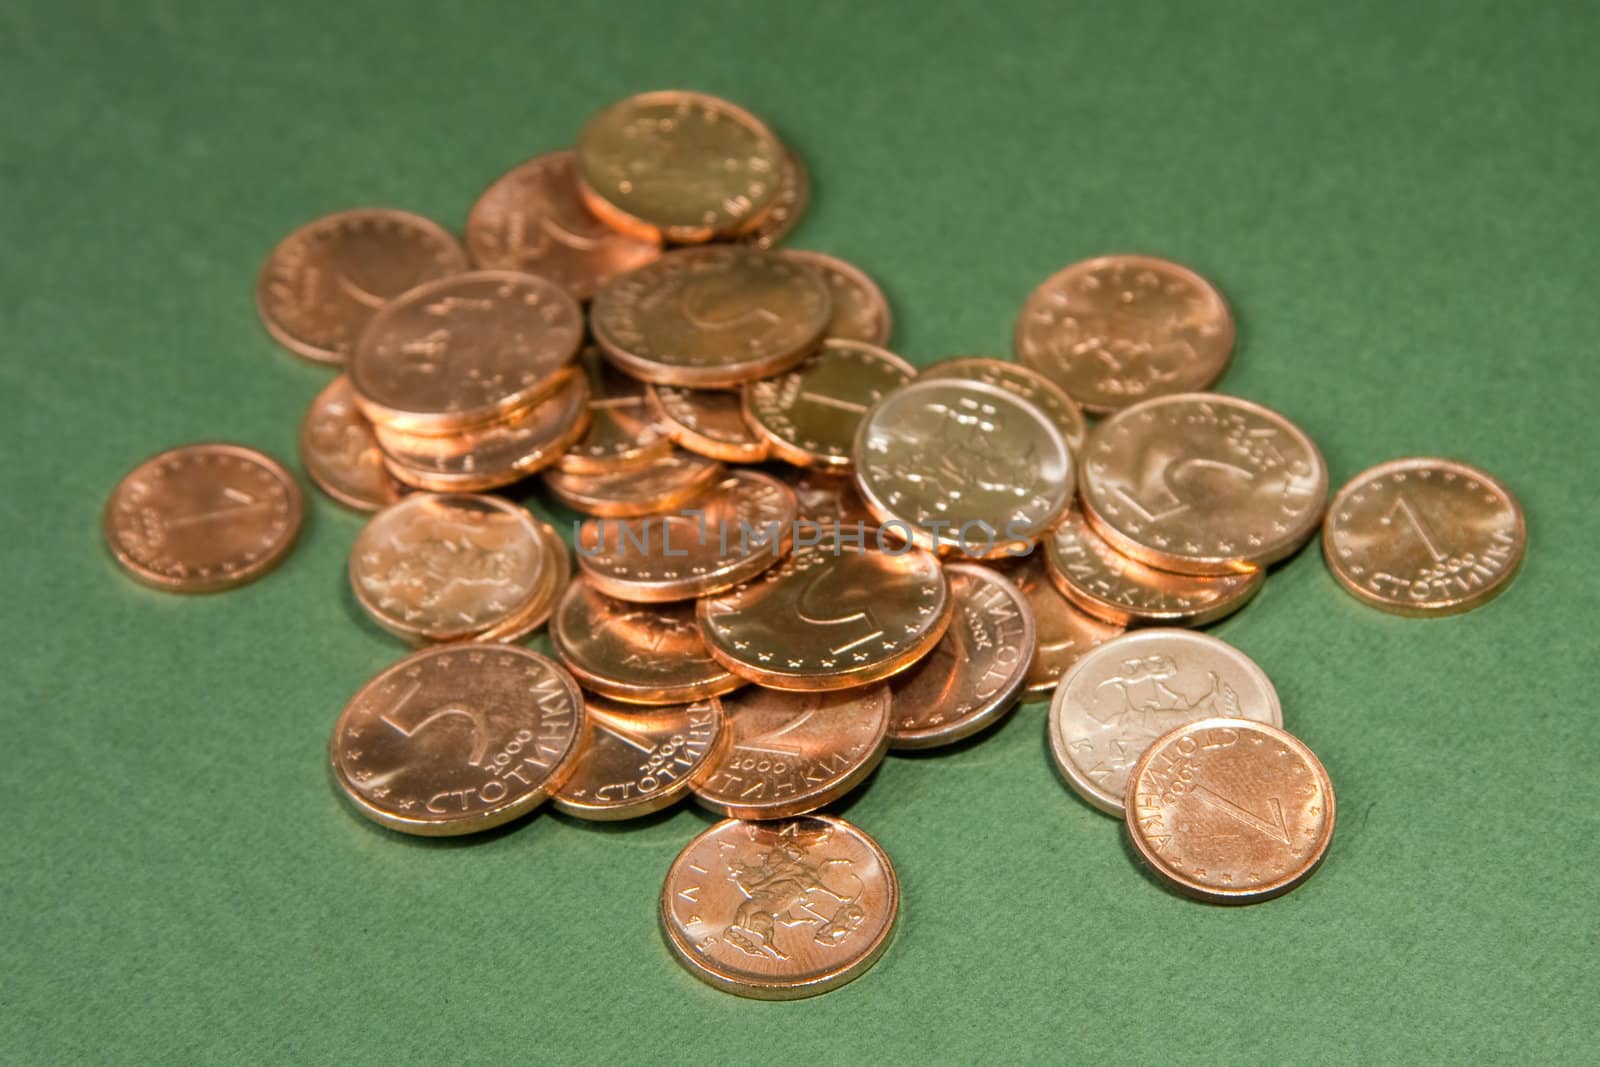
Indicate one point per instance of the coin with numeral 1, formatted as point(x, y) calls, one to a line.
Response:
point(809, 415)
point(634, 761)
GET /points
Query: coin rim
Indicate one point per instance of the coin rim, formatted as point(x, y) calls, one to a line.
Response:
point(611, 508)
point(545, 598)
point(1075, 441)
point(675, 792)
point(692, 440)
point(822, 262)
point(796, 455)
point(769, 234)
point(315, 470)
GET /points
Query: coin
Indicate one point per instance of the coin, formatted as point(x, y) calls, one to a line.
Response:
point(794, 194)
point(634, 761)
point(828, 497)
point(465, 351)
point(1064, 632)
point(1120, 697)
point(554, 575)
point(340, 453)
point(964, 466)
point(709, 422)
point(711, 317)
point(860, 311)
point(624, 430)
point(202, 518)
point(324, 281)
point(1230, 811)
point(1116, 588)
point(457, 739)
point(809, 415)
point(1424, 537)
point(780, 910)
point(1116, 330)
point(1027, 384)
point(532, 219)
point(792, 753)
point(678, 166)
point(663, 484)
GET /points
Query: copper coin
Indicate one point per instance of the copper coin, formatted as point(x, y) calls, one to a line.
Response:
point(1118, 698)
point(1230, 811)
point(711, 317)
point(532, 219)
point(465, 351)
point(860, 311)
point(828, 497)
point(1027, 384)
point(202, 518)
point(457, 739)
point(792, 753)
point(340, 453)
point(634, 761)
point(794, 194)
point(973, 675)
point(1116, 588)
point(661, 485)
point(1116, 330)
point(1424, 537)
point(710, 422)
point(624, 430)
point(678, 166)
point(326, 280)
point(809, 415)
point(1064, 632)
point(554, 576)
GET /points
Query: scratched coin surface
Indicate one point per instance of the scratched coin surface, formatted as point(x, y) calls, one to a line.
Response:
point(453, 740)
point(1116, 330)
point(624, 431)
point(532, 219)
point(788, 208)
point(1064, 632)
point(860, 310)
point(712, 317)
point(326, 280)
point(554, 575)
point(1203, 484)
point(202, 518)
point(780, 910)
point(1117, 699)
point(710, 422)
point(340, 452)
point(1027, 384)
point(633, 761)
point(973, 675)
point(1230, 811)
point(809, 415)
point(792, 753)
point(1424, 537)
point(464, 351)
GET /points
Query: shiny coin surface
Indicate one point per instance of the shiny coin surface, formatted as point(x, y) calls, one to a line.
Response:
point(710, 422)
point(624, 431)
point(1116, 330)
point(458, 739)
point(828, 497)
point(678, 166)
point(792, 753)
point(712, 317)
point(1424, 537)
point(660, 485)
point(554, 577)
point(1027, 384)
point(202, 518)
point(532, 219)
point(860, 311)
point(633, 761)
point(1064, 633)
point(1118, 698)
point(809, 415)
point(1203, 484)
point(780, 910)
point(794, 195)
point(340, 453)
point(1230, 811)
point(326, 280)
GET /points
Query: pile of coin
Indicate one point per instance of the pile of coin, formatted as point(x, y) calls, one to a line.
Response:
point(798, 551)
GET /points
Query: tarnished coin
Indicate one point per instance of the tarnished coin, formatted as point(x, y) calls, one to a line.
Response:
point(202, 518)
point(711, 317)
point(792, 753)
point(661, 485)
point(809, 415)
point(465, 351)
point(860, 311)
point(794, 195)
point(1117, 699)
point(1064, 632)
point(1027, 384)
point(555, 574)
point(1424, 537)
point(1230, 811)
point(780, 910)
point(340, 453)
point(457, 739)
point(1111, 586)
point(973, 675)
point(624, 431)
point(710, 422)
point(532, 219)
point(678, 166)
point(828, 497)
point(634, 761)
point(1202, 484)
point(1116, 330)
point(324, 281)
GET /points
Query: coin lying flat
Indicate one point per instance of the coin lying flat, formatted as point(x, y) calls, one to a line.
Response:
point(788, 208)
point(1424, 537)
point(457, 739)
point(860, 311)
point(340, 453)
point(623, 431)
point(828, 497)
point(660, 485)
point(634, 761)
point(554, 576)
point(1064, 633)
point(710, 422)
point(780, 910)
point(1027, 384)
point(202, 518)
point(809, 415)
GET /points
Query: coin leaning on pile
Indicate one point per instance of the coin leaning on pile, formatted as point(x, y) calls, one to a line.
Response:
point(918, 551)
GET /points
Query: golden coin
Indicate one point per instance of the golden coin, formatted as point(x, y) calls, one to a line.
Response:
point(828, 497)
point(1116, 588)
point(554, 576)
point(457, 739)
point(1424, 537)
point(326, 280)
point(860, 311)
point(202, 518)
point(1116, 330)
point(1027, 384)
point(634, 761)
point(794, 194)
point(1230, 811)
point(792, 753)
point(624, 431)
point(340, 453)
point(1203, 484)
point(678, 166)
point(465, 351)
point(710, 422)
point(1064, 632)
point(532, 219)
point(711, 317)
point(809, 415)
point(661, 485)
point(843, 610)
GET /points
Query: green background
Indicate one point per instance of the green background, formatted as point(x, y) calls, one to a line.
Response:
point(1400, 202)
